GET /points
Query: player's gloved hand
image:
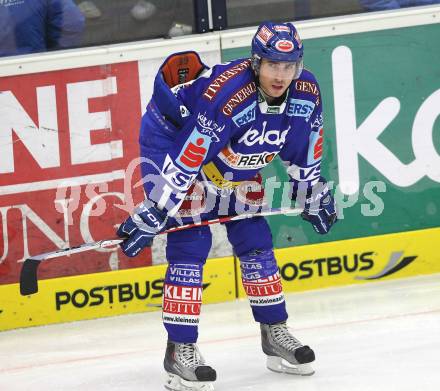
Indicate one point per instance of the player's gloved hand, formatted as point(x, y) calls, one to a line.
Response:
point(140, 228)
point(320, 208)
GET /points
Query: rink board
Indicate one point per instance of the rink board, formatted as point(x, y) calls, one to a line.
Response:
point(347, 262)
point(69, 129)
point(105, 294)
point(358, 261)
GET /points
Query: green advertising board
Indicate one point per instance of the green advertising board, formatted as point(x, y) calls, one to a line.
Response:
point(381, 97)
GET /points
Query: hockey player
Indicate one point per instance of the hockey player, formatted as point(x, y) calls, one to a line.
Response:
point(205, 135)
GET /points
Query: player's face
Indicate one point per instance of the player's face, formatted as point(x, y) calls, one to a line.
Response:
point(276, 76)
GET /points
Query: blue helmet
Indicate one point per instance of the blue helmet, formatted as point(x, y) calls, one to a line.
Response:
point(277, 42)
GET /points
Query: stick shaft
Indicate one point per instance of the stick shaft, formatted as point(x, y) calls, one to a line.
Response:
point(271, 212)
point(28, 274)
point(116, 241)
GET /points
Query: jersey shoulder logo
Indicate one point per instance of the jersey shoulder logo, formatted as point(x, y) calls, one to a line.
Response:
point(216, 85)
point(300, 108)
point(246, 115)
point(239, 96)
point(307, 86)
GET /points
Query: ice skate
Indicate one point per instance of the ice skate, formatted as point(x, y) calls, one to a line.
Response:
point(186, 368)
point(285, 354)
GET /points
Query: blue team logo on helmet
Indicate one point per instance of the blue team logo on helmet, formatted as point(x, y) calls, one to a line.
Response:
point(277, 42)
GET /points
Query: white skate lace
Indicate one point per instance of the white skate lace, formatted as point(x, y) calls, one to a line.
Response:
point(282, 337)
point(189, 356)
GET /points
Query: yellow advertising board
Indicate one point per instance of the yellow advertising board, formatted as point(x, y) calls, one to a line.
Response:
point(354, 261)
point(357, 261)
point(105, 294)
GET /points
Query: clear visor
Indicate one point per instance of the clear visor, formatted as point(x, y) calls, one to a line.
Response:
point(281, 70)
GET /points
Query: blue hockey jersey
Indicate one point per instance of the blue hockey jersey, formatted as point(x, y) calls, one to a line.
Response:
point(220, 129)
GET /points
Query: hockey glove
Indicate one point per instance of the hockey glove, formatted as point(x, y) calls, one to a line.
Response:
point(320, 208)
point(140, 228)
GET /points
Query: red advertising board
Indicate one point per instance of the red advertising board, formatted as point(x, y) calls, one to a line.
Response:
point(66, 139)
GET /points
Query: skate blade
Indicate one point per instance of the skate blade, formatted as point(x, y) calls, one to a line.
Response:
point(176, 383)
point(279, 365)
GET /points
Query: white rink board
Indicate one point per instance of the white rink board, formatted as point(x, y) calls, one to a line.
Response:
point(382, 336)
point(345, 24)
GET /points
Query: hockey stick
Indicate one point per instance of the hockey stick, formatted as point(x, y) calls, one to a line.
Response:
point(28, 274)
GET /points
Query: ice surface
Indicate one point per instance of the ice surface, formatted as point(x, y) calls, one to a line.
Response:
point(380, 336)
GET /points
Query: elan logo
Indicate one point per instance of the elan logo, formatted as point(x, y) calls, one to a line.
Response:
point(396, 263)
point(271, 137)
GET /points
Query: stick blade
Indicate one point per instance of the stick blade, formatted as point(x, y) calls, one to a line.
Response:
point(28, 277)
